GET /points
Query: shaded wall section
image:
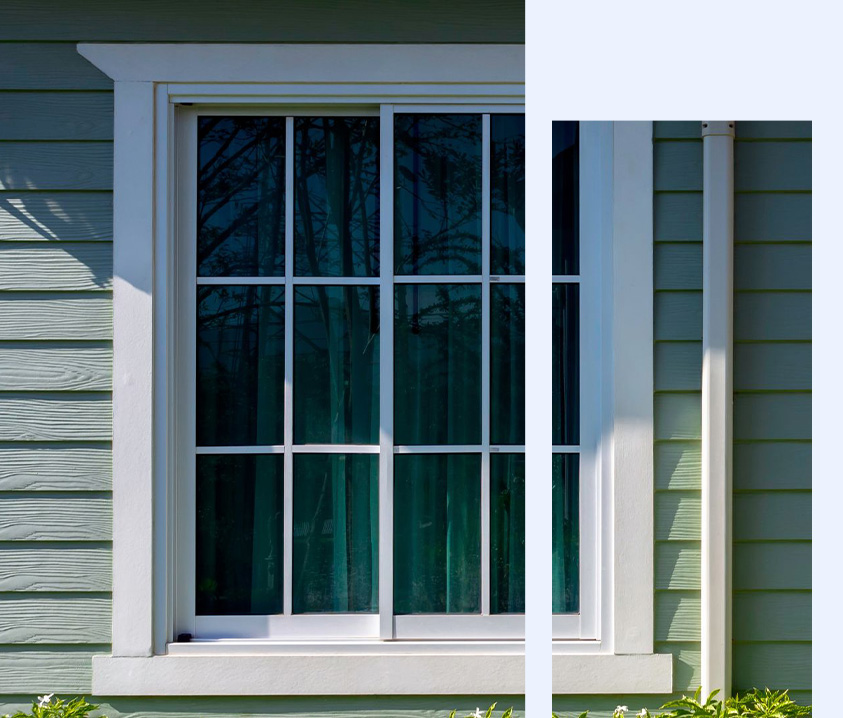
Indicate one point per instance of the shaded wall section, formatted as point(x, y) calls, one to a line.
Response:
point(772, 409)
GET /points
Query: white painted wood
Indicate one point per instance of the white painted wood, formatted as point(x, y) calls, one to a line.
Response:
point(362, 670)
point(387, 386)
point(485, 371)
point(718, 240)
point(134, 234)
point(595, 241)
point(632, 349)
point(289, 332)
point(308, 63)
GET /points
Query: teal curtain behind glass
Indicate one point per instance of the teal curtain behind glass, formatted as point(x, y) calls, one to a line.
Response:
point(336, 365)
point(506, 394)
point(239, 534)
point(507, 533)
point(437, 364)
point(335, 533)
point(437, 533)
point(566, 533)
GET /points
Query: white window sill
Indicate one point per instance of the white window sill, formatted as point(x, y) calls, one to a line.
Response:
point(494, 668)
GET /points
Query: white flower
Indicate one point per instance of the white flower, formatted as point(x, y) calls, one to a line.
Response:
point(620, 711)
point(476, 714)
point(44, 701)
point(644, 713)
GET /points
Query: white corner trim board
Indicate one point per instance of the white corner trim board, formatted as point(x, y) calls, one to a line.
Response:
point(718, 241)
point(150, 81)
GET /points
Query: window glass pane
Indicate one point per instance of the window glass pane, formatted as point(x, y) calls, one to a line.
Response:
point(438, 161)
point(239, 534)
point(240, 366)
point(336, 365)
point(507, 533)
point(566, 364)
point(507, 364)
point(566, 533)
point(337, 194)
point(566, 198)
point(240, 215)
point(437, 364)
point(507, 170)
point(437, 538)
point(335, 533)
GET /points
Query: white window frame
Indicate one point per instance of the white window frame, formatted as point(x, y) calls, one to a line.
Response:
point(383, 625)
point(150, 81)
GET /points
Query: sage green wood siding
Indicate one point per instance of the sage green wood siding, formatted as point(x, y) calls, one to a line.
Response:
point(677, 278)
point(56, 127)
point(772, 410)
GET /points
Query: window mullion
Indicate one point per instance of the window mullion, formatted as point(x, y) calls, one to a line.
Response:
point(485, 300)
point(387, 302)
point(289, 159)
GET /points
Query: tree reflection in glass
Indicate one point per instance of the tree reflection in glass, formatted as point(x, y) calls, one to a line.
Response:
point(240, 208)
point(336, 365)
point(438, 168)
point(437, 364)
point(240, 365)
point(507, 185)
point(337, 196)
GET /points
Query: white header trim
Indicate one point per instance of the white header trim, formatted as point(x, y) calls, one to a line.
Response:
point(308, 64)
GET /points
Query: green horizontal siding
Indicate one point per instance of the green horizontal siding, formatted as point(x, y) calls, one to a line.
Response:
point(678, 464)
point(264, 21)
point(772, 465)
point(55, 517)
point(30, 669)
point(772, 407)
point(55, 466)
point(56, 166)
point(677, 279)
point(678, 217)
point(56, 316)
point(772, 217)
point(780, 266)
point(59, 417)
point(772, 316)
point(55, 266)
point(678, 316)
point(771, 565)
point(47, 66)
point(772, 166)
point(33, 568)
point(775, 130)
point(64, 619)
point(54, 366)
point(56, 116)
point(677, 166)
point(55, 216)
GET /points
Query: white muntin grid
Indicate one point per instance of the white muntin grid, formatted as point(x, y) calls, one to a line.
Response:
point(383, 625)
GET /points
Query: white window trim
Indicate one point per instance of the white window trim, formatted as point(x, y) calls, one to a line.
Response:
point(149, 81)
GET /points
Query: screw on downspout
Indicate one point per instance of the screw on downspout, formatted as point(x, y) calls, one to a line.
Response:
point(726, 127)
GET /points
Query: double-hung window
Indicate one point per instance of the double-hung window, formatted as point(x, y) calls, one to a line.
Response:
point(351, 322)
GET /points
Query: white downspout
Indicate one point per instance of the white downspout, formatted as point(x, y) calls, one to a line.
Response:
point(718, 240)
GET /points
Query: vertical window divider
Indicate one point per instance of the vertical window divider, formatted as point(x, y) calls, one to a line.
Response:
point(289, 195)
point(387, 304)
point(485, 314)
